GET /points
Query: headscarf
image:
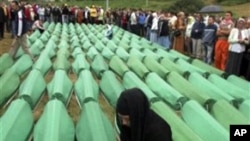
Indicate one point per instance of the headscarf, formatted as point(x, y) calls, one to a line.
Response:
point(134, 103)
point(145, 125)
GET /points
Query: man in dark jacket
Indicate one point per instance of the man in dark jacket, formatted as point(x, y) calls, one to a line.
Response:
point(21, 30)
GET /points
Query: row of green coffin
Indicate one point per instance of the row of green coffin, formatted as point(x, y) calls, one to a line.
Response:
point(55, 124)
point(10, 79)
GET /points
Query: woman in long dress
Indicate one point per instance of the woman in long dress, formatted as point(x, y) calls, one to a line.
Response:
point(179, 40)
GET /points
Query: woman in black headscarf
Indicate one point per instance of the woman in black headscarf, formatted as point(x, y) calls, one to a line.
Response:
point(136, 121)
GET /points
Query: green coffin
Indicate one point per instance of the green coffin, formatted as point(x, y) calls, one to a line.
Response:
point(165, 54)
point(111, 45)
point(164, 90)
point(17, 121)
point(187, 89)
point(32, 87)
point(63, 44)
point(118, 66)
point(130, 80)
point(150, 53)
point(180, 131)
point(60, 86)
point(206, 67)
point(154, 66)
point(228, 87)
point(33, 37)
point(111, 87)
point(9, 82)
point(99, 65)
point(93, 125)
point(6, 62)
point(137, 66)
point(122, 53)
point(171, 66)
point(54, 124)
point(23, 64)
point(179, 55)
point(86, 45)
point(136, 52)
point(227, 115)
point(107, 53)
point(92, 52)
point(43, 64)
point(202, 123)
point(77, 51)
point(38, 44)
point(241, 83)
point(80, 64)
point(244, 108)
point(86, 87)
point(208, 88)
point(99, 46)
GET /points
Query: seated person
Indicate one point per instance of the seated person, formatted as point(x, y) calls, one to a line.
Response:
point(109, 31)
point(38, 24)
point(136, 121)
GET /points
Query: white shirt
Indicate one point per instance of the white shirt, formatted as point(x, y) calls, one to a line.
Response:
point(133, 19)
point(233, 40)
point(36, 25)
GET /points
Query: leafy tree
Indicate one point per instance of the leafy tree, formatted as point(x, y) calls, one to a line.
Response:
point(187, 6)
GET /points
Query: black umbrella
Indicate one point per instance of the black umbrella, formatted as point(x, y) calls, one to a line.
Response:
point(211, 9)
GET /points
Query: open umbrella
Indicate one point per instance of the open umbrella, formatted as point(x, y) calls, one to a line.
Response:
point(211, 9)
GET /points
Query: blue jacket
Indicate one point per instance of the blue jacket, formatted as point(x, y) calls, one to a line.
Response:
point(197, 26)
point(209, 34)
point(20, 23)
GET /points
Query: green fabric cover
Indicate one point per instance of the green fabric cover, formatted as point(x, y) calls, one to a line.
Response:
point(165, 54)
point(111, 87)
point(107, 53)
point(244, 108)
point(202, 123)
point(122, 53)
point(35, 51)
point(32, 87)
point(111, 45)
point(60, 86)
point(38, 44)
point(179, 55)
point(92, 52)
point(228, 87)
point(77, 51)
point(17, 122)
point(180, 130)
point(93, 125)
point(241, 83)
point(208, 88)
point(54, 124)
point(61, 61)
point(200, 64)
point(227, 115)
point(186, 88)
point(137, 67)
point(86, 87)
point(22, 64)
point(130, 80)
point(99, 65)
point(150, 53)
point(9, 82)
point(136, 52)
point(80, 63)
point(135, 45)
point(117, 65)
point(99, 46)
point(164, 90)
point(33, 37)
point(187, 67)
point(171, 66)
point(43, 64)
point(86, 45)
point(154, 66)
point(5, 62)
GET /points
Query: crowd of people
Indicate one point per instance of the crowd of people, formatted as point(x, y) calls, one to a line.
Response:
point(222, 41)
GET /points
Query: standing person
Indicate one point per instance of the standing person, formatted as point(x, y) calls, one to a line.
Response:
point(238, 39)
point(196, 35)
point(148, 24)
point(154, 28)
point(65, 13)
point(179, 27)
point(136, 121)
point(163, 31)
point(21, 29)
point(2, 20)
point(221, 47)
point(188, 41)
point(208, 39)
point(141, 23)
point(133, 22)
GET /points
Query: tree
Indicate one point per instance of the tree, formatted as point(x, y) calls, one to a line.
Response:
point(187, 6)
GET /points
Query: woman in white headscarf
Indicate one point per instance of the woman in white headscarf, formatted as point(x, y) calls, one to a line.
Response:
point(109, 31)
point(238, 39)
